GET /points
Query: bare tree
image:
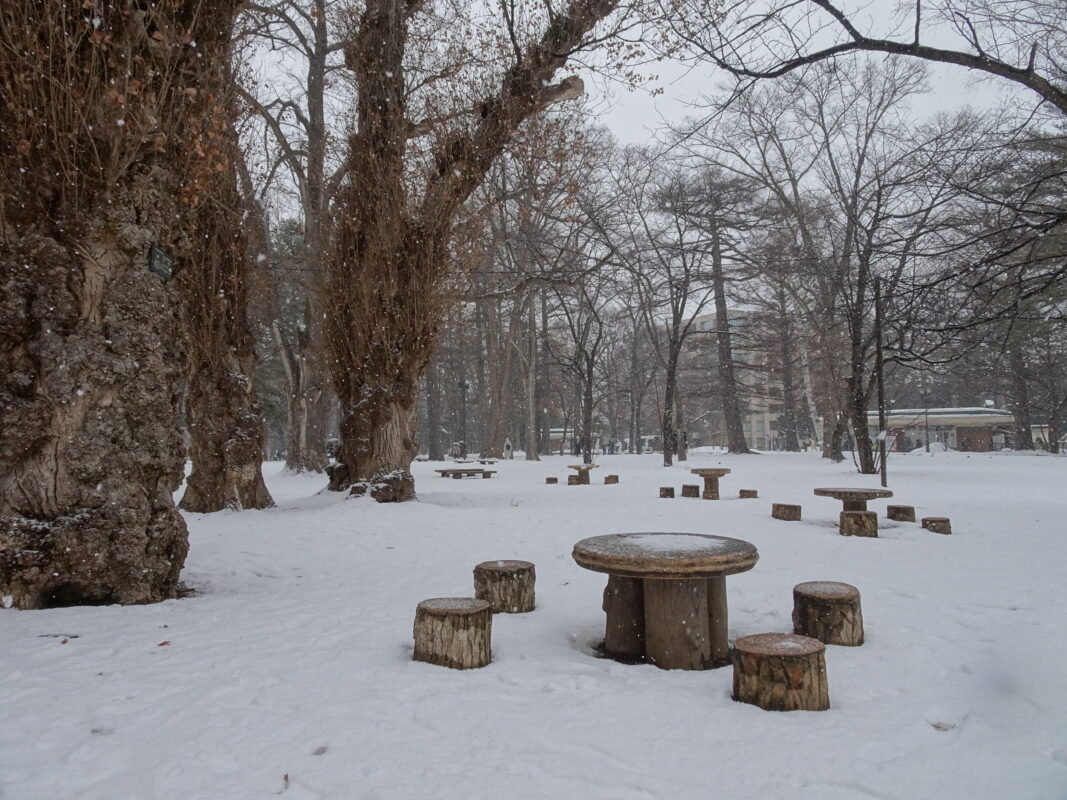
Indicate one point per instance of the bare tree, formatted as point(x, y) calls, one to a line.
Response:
point(395, 211)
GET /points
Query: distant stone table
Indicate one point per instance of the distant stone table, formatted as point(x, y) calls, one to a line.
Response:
point(854, 499)
point(583, 472)
point(666, 595)
point(711, 477)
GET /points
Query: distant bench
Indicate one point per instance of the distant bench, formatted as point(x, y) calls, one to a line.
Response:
point(466, 473)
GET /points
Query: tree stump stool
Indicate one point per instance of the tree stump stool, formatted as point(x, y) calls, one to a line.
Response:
point(453, 632)
point(828, 611)
point(900, 513)
point(551, 481)
point(781, 672)
point(748, 494)
point(937, 524)
point(785, 511)
point(666, 491)
point(610, 480)
point(574, 480)
point(691, 490)
point(858, 523)
point(508, 586)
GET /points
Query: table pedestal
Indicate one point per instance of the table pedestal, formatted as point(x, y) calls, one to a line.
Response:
point(676, 623)
point(718, 622)
point(624, 604)
point(855, 505)
point(711, 488)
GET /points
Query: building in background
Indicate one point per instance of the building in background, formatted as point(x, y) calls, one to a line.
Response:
point(973, 430)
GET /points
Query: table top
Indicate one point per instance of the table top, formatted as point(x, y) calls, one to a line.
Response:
point(854, 494)
point(710, 472)
point(665, 555)
point(582, 466)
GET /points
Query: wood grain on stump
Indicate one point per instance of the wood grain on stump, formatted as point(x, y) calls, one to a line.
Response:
point(781, 672)
point(748, 494)
point(666, 491)
point(858, 523)
point(624, 605)
point(785, 511)
point(691, 490)
point(610, 480)
point(676, 623)
point(937, 524)
point(828, 611)
point(508, 586)
point(551, 481)
point(453, 632)
point(574, 480)
point(900, 513)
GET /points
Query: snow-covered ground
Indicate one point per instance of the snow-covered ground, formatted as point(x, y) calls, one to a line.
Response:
point(290, 673)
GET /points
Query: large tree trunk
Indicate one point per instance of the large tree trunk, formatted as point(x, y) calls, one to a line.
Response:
point(224, 420)
point(667, 419)
point(91, 351)
point(731, 408)
point(789, 389)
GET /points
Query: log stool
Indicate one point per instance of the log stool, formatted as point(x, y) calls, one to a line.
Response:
point(691, 490)
point(828, 611)
point(610, 480)
point(785, 511)
point(748, 494)
point(551, 481)
point(781, 672)
point(453, 632)
point(574, 480)
point(937, 524)
point(666, 491)
point(900, 513)
point(858, 523)
point(508, 586)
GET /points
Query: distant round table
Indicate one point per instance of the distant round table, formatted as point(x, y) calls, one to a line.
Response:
point(711, 477)
point(666, 595)
point(854, 499)
point(583, 472)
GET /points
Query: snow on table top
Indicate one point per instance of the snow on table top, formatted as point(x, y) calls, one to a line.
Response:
point(665, 554)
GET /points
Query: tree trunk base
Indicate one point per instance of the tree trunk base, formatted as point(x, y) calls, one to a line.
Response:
point(453, 632)
point(858, 523)
point(937, 524)
point(508, 586)
point(900, 513)
point(396, 487)
point(828, 611)
point(781, 672)
point(126, 555)
point(786, 512)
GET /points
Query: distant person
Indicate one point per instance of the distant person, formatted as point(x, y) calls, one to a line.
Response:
point(453, 451)
point(509, 451)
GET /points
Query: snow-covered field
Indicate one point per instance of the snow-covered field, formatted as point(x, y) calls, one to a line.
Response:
point(290, 673)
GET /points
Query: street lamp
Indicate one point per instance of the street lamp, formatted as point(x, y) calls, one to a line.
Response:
point(464, 385)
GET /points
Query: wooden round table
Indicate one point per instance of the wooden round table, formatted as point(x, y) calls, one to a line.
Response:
point(583, 472)
point(854, 499)
point(711, 477)
point(666, 595)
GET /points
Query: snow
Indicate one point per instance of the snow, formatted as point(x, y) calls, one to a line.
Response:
point(290, 674)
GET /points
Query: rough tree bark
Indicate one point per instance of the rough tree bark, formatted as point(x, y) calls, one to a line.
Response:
point(91, 350)
point(390, 260)
point(223, 416)
point(1020, 401)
